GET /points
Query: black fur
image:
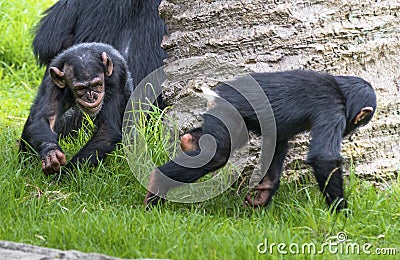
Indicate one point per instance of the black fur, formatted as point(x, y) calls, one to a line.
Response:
point(52, 101)
point(133, 27)
point(301, 100)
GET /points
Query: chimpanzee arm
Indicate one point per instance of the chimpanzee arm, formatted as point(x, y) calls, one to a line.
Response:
point(38, 132)
point(324, 157)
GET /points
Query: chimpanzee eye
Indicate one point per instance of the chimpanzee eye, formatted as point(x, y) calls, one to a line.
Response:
point(97, 86)
point(80, 92)
point(79, 87)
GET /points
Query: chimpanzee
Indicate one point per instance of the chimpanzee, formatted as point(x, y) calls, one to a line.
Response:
point(331, 107)
point(89, 78)
point(133, 27)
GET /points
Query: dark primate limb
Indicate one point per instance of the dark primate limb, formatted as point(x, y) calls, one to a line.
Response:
point(329, 176)
point(270, 183)
point(169, 175)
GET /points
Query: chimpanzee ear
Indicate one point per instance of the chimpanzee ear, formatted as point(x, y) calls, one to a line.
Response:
point(365, 111)
point(57, 76)
point(109, 64)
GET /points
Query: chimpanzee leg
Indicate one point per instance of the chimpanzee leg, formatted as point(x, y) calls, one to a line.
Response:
point(325, 159)
point(270, 183)
point(38, 131)
point(173, 174)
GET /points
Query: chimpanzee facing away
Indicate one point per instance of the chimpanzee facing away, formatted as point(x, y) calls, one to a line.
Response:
point(330, 106)
point(133, 27)
point(90, 78)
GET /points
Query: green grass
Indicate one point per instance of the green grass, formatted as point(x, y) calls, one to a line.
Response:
point(102, 210)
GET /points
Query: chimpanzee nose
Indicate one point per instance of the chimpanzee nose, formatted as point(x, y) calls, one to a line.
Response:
point(95, 96)
point(92, 97)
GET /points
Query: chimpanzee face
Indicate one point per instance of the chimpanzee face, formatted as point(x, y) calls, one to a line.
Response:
point(87, 82)
point(89, 94)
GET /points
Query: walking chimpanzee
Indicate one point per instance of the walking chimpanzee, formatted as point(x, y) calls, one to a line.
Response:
point(331, 107)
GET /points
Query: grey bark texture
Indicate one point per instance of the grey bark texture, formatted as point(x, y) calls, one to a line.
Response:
point(341, 37)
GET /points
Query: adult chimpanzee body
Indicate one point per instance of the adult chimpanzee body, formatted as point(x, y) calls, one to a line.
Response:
point(330, 107)
point(88, 77)
point(133, 27)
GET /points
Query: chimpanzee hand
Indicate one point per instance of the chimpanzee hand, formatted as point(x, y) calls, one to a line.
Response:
point(52, 161)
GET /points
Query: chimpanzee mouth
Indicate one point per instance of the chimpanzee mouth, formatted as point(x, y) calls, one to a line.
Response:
point(92, 111)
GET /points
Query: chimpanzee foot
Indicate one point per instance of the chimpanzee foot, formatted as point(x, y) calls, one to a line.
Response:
point(264, 194)
point(154, 196)
point(152, 200)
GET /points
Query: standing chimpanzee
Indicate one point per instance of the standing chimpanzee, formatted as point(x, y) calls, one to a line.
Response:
point(92, 78)
point(331, 107)
point(133, 27)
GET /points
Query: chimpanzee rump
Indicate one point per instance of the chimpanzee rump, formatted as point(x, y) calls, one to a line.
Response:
point(330, 107)
point(90, 78)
